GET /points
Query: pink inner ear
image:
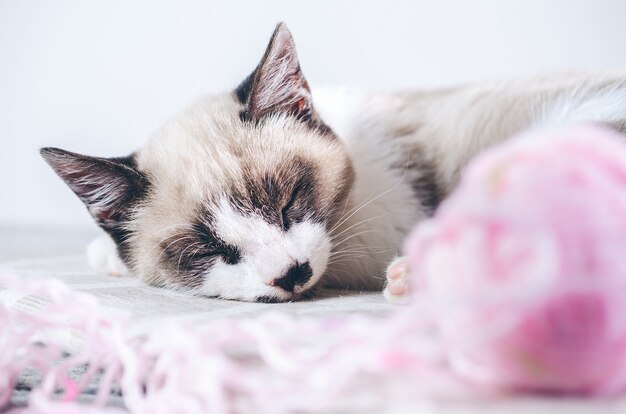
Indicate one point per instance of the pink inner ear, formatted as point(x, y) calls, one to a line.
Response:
point(301, 104)
point(103, 215)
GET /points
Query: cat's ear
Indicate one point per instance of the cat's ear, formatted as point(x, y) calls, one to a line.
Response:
point(107, 186)
point(277, 85)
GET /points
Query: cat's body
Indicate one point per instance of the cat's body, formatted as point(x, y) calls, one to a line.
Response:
point(287, 196)
point(409, 148)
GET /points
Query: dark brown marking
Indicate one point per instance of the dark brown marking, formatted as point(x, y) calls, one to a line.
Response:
point(285, 196)
point(422, 174)
point(190, 254)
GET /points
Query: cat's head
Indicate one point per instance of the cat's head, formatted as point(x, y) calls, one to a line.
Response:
point(234, 198)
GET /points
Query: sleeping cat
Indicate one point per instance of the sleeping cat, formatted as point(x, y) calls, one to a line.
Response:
point(269, 191)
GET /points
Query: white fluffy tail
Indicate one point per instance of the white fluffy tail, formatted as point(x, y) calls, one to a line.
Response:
point(606, 106)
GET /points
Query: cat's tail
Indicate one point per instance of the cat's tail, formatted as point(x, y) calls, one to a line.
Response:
point(600, 103)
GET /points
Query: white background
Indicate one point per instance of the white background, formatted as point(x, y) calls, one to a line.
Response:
point(99, 76)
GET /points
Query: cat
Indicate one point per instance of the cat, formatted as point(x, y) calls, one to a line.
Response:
point(269, 191)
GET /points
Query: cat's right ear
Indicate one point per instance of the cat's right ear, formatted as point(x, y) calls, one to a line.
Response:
point(107, 186)
point(277, 85)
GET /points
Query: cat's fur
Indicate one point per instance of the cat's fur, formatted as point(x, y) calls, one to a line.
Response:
point(259, 195)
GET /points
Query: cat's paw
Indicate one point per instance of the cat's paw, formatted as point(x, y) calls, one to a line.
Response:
point(397, 284)
point(103, 258)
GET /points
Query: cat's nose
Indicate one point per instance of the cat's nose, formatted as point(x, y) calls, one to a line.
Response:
point(298, 274)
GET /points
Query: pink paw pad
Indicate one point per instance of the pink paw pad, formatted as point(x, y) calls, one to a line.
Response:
point(397, 286)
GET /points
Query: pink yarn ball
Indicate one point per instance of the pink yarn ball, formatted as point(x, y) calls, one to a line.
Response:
point(526, 263)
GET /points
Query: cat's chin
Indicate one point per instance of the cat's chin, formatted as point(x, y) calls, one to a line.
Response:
point(305, 294)
point(273, 295)
point(273, 299)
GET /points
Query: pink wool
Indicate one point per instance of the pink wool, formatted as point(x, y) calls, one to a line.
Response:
point(528, 259)
point(172, 366)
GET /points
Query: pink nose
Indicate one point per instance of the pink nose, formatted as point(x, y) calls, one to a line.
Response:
point(298, 274)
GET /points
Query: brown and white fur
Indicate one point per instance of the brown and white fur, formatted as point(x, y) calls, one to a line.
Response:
point(260, 195)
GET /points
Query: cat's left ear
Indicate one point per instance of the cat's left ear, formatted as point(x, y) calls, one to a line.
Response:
point(277, 85)
point(107, 186)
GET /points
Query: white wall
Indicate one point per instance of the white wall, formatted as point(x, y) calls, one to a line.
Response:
point(98, 76)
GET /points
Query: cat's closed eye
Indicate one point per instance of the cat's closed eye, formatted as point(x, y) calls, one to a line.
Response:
point(211, 248)
point(284, 213)
point(229, 256)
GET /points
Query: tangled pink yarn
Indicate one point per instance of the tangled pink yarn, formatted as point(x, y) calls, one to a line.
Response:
point(531, 252)
point(172, 365)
